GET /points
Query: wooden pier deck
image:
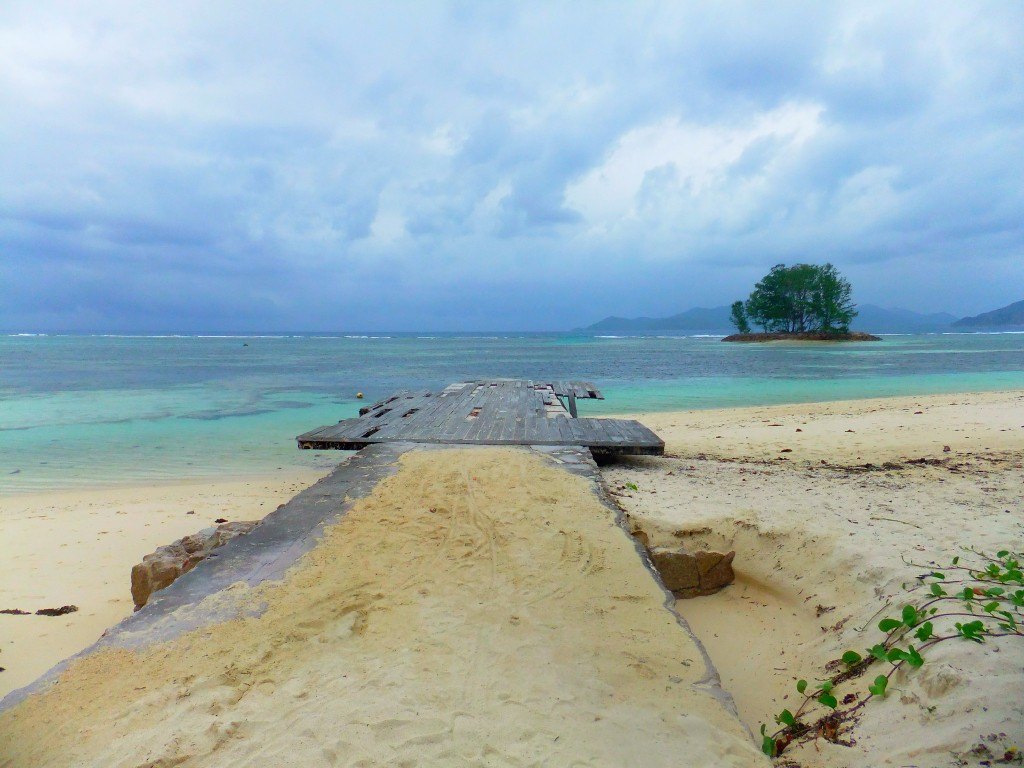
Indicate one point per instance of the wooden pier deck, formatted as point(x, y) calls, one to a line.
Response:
point(489, 412)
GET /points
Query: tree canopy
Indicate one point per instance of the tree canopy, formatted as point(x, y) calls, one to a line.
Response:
point(799, 299)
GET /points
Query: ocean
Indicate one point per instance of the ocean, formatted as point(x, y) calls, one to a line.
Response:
point(82, 411)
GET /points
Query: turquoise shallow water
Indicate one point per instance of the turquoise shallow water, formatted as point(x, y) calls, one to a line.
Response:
point(77, 411)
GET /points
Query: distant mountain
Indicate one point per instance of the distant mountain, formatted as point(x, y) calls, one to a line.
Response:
point(699, 319)
point(1012, 314)
point(875, 319)
point(715, 320)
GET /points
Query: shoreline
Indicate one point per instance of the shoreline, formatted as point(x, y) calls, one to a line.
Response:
point(834, 513)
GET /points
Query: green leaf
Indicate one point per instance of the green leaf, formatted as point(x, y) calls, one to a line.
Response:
point(967, 594)
point(989, 607)
point(924, 631)
point(851, 657)
point(825, 687)
point(1002, 553)
point(878, 687)
point(888, 625)
point(801, 686)
point(956, 560)
point(914, 658)
point(828, 700)
point(971, 630)
point(909, 615)
point(937, 590)
point(994, 591)
point(786, 718)
point(878, 651)
point(768, 746)
point(937, 575)
point(895, 655)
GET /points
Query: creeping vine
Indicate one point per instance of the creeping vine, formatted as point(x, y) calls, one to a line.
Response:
point(974, 601)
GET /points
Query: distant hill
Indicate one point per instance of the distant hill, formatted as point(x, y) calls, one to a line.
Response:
point(699, 319)
point(882, 320)
point(715, 320)
point(1012, 314)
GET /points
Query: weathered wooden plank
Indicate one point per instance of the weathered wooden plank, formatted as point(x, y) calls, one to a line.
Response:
point(511, 412)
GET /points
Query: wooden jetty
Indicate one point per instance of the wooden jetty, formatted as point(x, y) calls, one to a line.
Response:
point(488, 412)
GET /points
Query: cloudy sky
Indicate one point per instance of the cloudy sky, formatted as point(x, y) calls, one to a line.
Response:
point(493, 165)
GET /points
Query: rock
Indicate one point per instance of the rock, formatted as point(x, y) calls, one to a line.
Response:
point(691, 575)
point(162, 568)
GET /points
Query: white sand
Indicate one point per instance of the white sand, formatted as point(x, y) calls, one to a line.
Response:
point(819, 545)
point(78, 547)
point(808, 534)
point(481, 607)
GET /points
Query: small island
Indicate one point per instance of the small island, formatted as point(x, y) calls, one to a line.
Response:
point(805, 302)
point(809, 336)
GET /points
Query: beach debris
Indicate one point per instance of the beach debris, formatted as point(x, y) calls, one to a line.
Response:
point(221, 520)
point(16, 612)
point(64, 609)
point(946, 449)
point(161, 568)
point(786, 450)
point(688, 574)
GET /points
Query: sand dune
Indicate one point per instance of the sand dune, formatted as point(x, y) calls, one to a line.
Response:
point(481, 607)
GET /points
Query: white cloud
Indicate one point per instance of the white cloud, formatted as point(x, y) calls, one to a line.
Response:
point(690, 159)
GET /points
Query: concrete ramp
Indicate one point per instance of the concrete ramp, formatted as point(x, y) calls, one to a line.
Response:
point(420, 606)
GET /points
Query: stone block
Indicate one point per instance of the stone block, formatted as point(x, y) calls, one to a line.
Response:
point(688, 574)
point(161, 568)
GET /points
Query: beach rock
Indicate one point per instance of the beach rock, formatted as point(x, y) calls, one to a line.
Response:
point(688, 574)
point(162, 568)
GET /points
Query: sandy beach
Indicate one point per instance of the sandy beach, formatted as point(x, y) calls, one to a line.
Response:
point(820, 501)
point(78, 548)
point(480, 607)
point(821, 532)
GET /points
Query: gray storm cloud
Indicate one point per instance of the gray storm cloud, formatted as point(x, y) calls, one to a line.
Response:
point(202, 166)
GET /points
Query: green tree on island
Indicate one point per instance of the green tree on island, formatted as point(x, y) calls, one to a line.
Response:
point(804, 298)
point(739, 317)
